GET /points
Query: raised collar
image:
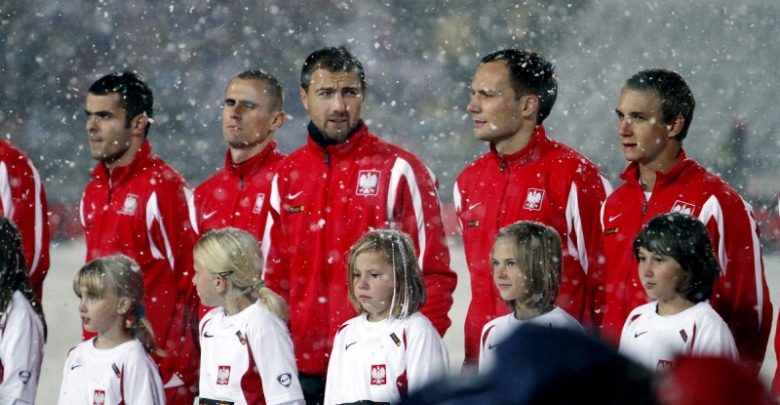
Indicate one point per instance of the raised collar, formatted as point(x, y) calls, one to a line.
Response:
point(121, 173)
point(631, 174)
point(249, 166)
point(341, 149)
point(529, 153)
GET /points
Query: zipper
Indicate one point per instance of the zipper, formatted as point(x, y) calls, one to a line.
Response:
point(503, 165)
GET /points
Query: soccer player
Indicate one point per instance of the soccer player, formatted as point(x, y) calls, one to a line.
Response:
point(135, 204)
point(524, 176)
point(327, 194)
point(237, 195)
point(23, 201)
point(654, 114)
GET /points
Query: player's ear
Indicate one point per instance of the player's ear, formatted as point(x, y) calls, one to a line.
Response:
point(278, 120)
point(123, 305)
point(139, 123)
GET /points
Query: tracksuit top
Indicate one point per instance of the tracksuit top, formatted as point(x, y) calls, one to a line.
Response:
point(23, 201)
point(237, 195)
point(140, 210)
point(547, 182)
point(740, 295)
point(323, 199)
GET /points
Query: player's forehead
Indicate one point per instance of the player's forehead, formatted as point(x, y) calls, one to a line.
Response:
point(323, 78)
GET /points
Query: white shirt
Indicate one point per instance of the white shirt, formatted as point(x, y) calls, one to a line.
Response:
point(380, 361)
point(21, 351)
point(124, 374)
point(654, 340)
point(497, 330)
point(247, 358)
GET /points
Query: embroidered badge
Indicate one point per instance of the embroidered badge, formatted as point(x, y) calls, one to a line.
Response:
point(258, 203)
point(684, 335)
point(378, 374)
point(533, 200)
point(223, 375)
point(368, 181)
point(294, 209)
point(284, 379)
point(130, 206)
point(472, 223)
point(683, 207)
point(395, 339)
point(99, 397)
point(663, 365)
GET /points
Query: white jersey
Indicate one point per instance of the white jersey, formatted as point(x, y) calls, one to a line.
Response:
point(497, 330)
point(654, 341)
point(124, 374)
point(21, 351)
point(247, 358)
point(380, 361)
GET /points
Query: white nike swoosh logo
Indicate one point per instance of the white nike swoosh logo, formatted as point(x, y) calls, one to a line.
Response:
point(209, 215)
point(294, 196)
point(472, 206)
point(614, 217)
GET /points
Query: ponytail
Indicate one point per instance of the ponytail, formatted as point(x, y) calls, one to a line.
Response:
point(271, 300)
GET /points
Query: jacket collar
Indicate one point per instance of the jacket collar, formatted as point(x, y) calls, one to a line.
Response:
point(538, 143)
point(319, 144)
point(631, 174)
point(121, 173)
point(249, 166)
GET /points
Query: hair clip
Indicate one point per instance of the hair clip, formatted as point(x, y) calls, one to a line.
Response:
point(225, 273)
point(258, 285)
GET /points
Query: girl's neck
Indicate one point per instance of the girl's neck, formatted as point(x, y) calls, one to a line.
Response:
point(112, 338)
point(524, 312)
point(237, 304)
point(673, 306)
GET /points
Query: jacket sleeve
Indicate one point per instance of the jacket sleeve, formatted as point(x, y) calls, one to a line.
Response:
point(24, 198)
point(740, 295)
point(275, 272)
point(171, 239)
point(414, 207)
point(21, 353)
point(583, 253)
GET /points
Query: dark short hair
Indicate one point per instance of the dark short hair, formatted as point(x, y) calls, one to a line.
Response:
point(135, 96)
point(530, 73)
point(686, 240)
point(272, 87)
point(674, 94)
point(332, 59)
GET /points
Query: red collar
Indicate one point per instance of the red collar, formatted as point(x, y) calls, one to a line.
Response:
point(249, 166)
point(121, 173)
point(342, 149)
point(631, 174)
point(529, 153)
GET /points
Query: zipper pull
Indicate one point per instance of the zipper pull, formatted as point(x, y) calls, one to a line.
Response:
point(503, 165)
point(327, 157)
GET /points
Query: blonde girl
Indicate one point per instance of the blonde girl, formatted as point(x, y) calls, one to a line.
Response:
point(390, 348)
point(526, 262)
point(246, 351)
point(22, 325)
point(115, 366)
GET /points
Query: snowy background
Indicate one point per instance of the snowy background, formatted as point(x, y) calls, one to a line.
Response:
point(418, 56)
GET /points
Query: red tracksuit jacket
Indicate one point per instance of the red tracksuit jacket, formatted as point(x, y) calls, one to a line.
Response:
point(322, 201)
point(547, 182)
point(237, 195)
point(23, 201)
point(740, 295)
point(140, 210)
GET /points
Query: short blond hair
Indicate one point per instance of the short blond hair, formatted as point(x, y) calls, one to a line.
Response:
point(539, 255)
point(235, 255)
point(397, 249)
